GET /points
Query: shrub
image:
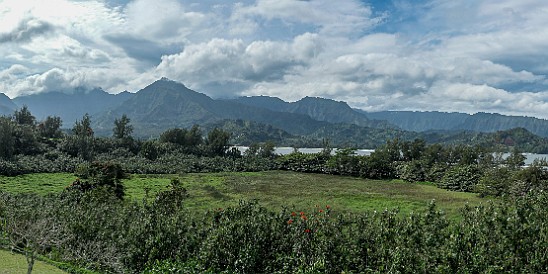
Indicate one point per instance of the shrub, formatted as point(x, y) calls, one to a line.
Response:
point(106, 175)
point(412, 171)
point(461, 178)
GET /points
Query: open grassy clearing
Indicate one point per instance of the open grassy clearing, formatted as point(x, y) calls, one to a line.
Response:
point(274, 189)
point(11, 263)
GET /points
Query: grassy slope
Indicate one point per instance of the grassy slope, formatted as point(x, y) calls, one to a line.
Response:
point(274, 189)
point(15, 264)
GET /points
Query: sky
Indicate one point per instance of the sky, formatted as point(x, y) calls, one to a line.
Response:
point(425, 55)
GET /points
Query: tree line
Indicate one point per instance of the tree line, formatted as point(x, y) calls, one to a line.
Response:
point(28, 146)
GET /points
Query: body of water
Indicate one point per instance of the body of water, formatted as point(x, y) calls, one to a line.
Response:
point(288, 150)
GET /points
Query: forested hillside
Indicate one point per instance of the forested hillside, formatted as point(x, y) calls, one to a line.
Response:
point(318, 108)
point(481, 122)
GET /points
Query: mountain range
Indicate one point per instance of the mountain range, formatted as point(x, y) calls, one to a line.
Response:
point(71, 106)
point(167, 104)
point(481, 122)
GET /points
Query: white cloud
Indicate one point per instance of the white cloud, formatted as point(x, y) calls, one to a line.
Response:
point(223, 61)
point(163, 20)
point(332, 17)
point(467, 56)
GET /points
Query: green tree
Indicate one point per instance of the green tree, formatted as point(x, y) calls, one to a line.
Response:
point(174, 136)
point(122, 129)
point(105, 175)
point(82, 143)
point(25, 132)
point(495, 181)
point(267, 149)
point(150, 150)
point(515, 160)
point(216, 143)
point(51, 127)
point(29, 224)
point(7, 138)
point(26, 140)
point(23, 116)
point(263, 150)
point(413, 150)
point(193, 137)
point(83, 127)
point(461, 178)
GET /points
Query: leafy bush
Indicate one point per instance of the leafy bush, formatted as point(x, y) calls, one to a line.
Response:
point(105, 175)
point(96, 230)
point(412, 171)
point(461, 178)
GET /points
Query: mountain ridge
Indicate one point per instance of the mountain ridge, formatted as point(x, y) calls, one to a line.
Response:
point(318, 108)
point(70, 107)
point(167, 104)
point(7, 106)
point(481, 121)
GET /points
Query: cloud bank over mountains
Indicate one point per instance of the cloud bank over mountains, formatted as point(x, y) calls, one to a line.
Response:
point(465, 56)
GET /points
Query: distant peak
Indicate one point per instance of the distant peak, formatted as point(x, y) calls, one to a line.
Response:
point(166, 80)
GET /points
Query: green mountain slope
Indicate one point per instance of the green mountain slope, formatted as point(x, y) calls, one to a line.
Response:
point(320, 109)
point(166, 104)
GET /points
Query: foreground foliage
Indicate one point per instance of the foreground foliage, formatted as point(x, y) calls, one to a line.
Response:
point(95, 229)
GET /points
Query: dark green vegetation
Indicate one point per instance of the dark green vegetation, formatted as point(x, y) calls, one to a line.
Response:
point(166, 104)
point(324, 212)
point(30, 147)
point(162, 234)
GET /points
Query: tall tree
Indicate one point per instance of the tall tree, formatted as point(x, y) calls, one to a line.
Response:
point(51, 127)
point(174, 136)
point(83, 127)
point(23, 116)
point(82, 143)
point(122, 129)
point(193, 136)
point(217, 142)
point(7, 138)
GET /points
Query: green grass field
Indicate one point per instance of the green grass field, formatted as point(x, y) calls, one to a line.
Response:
point(274, 189)
point(11, 263)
